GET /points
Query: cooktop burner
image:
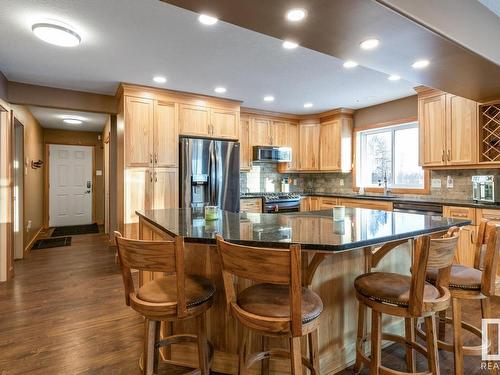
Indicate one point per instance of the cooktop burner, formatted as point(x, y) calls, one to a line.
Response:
point(275, 197)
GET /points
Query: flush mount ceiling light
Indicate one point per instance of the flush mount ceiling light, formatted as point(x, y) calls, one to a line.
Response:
point(308, 105)
point(394, 77)
point(288, 44)
point(72, 121)
point(220, 90)
point(296, 14)
point(207, 20)
point(269, 98)
point(56, 34)
point(369, 44)
point(350, 64)
point(160, 79)
point(420, 64)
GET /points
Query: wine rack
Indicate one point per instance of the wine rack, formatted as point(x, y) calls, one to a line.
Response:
point(489, 121)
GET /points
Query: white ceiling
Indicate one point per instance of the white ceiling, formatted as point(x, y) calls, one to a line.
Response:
point(493, 5)
point(131, 41)
point(53, 119)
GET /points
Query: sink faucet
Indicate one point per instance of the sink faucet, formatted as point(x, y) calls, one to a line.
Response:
point(384, 182)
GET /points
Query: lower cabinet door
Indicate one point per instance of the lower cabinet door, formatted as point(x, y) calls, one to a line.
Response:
point(137, 197)
point(165, 188)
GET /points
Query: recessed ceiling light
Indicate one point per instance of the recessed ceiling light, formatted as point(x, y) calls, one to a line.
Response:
point(55, 34)
point(207, 20)
point(72, 121)
point(350, 64)
point(308, 105)
point(160, 79)
point(296, 14)
point(394, 77)
point(269, 98)
point(420, 64)
point(369, 44)
point(288, 44)
point(220, 90)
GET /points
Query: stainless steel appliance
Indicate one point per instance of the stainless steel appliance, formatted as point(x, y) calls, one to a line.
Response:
point(272, 154)
point(419, 208)
point(281, 202)
point(209, 173)
point(486, 189)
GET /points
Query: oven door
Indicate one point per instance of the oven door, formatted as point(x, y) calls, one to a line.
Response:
point(282, 206)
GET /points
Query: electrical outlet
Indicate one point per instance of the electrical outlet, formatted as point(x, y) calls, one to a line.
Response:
point(449, 182)
point(28, 226)
point(341, 182)
point(436, 183)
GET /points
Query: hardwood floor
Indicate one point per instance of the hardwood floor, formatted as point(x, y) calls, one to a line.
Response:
point(64, 313)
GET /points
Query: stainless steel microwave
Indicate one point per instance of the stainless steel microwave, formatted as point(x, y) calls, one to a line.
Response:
point(272, 154)
point(486, 189)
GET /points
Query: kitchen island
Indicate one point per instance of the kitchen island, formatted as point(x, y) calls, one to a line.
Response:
point(334, 254)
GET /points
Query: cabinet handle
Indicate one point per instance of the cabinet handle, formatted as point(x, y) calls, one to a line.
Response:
point(449, 155)
point(151, 176)
point(151, 158)
point(156, 158)
point(442, 154)
point(156, 177)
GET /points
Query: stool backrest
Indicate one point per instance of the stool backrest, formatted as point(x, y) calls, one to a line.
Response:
point(264, 265)
point(152, 256)
point(436, 253)
point(487, 254)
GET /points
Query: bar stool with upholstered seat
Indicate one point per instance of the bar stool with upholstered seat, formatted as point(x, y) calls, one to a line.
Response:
point(277, 305)
point(470, 283)
point(409, 297)
point(174, 297)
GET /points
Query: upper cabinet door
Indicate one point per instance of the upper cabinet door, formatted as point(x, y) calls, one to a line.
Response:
point(224, 124)
point(330, 146)
point(138, 128)
point(194, 120)
point(245, 152)
point(278, 133)
point(166, 131)
point(292, 141)
point(462, 127)
point(259, 132)
point(309, 146)
point(432, 125)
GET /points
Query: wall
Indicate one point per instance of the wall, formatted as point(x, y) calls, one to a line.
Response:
point(33, 178)
point(87, 139)
point(404, 108)
point(3, 87)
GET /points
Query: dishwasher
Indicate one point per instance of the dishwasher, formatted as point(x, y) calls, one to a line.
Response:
point(432, 209)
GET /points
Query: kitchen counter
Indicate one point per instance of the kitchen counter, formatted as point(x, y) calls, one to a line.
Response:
point(393, 198)
point(312, 230)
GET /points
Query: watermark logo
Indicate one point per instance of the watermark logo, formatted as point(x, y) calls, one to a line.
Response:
point(490, 359)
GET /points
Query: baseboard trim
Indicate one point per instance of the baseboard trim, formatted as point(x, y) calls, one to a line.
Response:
point(27, 249)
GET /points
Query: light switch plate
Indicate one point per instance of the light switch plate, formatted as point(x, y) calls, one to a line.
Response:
point(449, 182)
point(98, 172)
point(436, 183)
point(341, 182)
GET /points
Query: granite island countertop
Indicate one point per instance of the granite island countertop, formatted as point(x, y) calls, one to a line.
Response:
point(315, 230)
point(392, 198)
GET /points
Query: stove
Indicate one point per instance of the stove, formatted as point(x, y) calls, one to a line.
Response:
point(280, 202)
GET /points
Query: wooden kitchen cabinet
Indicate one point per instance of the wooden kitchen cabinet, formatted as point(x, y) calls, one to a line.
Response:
point(335, 148)
point(138, 131)
point(137, 194)
point(366, 203)
point(314, 203)
point(448, 129)
point(293, 143)
point(278, 132)
point(194, 120)
point(467, 213)
point(328, 203)
point(245, 149)
point(224, 124)
point(165, 133)
point(305, 204)
point(251, 205)
point(465, 248)
point(165, 187)
point(259, 132)
point(309, 134)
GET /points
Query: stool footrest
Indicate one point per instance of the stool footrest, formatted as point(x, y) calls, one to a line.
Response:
point(274, 353)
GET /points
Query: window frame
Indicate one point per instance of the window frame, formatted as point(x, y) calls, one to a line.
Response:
point(380, 128)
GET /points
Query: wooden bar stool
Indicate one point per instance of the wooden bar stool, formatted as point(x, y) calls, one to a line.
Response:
point(175, 296)
point(470, 283)
point(409, 297)
point(277, 305)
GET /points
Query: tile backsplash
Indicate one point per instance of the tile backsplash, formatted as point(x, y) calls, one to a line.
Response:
point(265, 178)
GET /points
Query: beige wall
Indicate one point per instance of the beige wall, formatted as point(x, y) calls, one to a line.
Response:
point(33, 178)
point(88, 139)
point(3, 87)
point(386, 112)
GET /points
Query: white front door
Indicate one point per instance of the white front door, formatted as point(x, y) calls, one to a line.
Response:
point(70, 185)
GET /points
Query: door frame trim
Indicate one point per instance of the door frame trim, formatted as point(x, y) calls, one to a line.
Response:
point(23, 177)
point(46, 177)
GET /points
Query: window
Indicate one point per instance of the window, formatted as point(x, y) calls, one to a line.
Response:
point(391, 153)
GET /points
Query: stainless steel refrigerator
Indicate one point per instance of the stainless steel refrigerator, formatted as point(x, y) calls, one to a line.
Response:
point(209, 173)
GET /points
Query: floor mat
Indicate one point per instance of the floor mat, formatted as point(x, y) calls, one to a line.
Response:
point(52, 242)
point(74, 230)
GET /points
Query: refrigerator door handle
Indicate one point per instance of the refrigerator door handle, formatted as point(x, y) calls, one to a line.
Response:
point(213, 179)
